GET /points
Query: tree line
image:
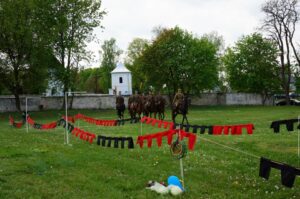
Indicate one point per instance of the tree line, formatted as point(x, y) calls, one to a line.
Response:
point(42, 39)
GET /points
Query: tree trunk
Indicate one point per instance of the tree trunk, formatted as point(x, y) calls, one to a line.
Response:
point(264, 98)
point(18, 102)
point(288, 72)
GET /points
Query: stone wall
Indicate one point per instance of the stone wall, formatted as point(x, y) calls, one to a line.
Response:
point(96, 101)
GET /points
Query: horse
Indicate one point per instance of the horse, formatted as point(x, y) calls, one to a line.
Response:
point(135, 106)
point(181, 108)
point(160, 103)
point(120, 106)
point(149, 106)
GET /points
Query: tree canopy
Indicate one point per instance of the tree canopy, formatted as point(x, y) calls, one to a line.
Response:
point(73, 24)
point(178, 59)
point(133, 63)
point(24, 54)
point(36, 35)
point(252, 66)
point(110, 53)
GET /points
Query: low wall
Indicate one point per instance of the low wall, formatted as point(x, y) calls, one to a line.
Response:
point(94, 101)
point(246, 99)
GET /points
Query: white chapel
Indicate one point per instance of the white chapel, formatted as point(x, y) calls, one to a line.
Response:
point(121, 80)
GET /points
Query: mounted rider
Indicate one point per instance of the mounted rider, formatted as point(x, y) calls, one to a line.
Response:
point(120, 106)
point(178, 98)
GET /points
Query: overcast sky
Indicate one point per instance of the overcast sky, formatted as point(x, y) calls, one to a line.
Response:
point(128, 19)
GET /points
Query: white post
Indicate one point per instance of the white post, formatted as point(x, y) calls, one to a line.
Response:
point(66, 130)
point(26, 113)
point(181, 172)
point(298, 140)
point(66, 105)
point(181, 163)
point(141, 127)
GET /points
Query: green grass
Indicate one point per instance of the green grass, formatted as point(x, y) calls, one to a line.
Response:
point(38, 164)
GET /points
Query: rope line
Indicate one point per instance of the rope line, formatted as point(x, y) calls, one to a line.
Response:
point(228, 147)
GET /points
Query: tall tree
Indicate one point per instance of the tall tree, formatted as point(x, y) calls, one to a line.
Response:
point(132, 62)
point(252, 66)
point(74, 23)
point(280, 21)
point(219, 43)
point(110, 53)
point(178, 59)
point(21, 41)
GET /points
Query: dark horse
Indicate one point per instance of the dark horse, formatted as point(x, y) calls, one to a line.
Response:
point(120, 106)
point(160, 103)
point(135, 106)
point(181, 108)
point(149, 106)
point(156, 105)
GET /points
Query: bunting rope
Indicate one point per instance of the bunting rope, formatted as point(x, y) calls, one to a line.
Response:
point(235, 129)
point(35, 125)
point(169, 134)
point(17, 124)
point(160, 123)
point(275, 125)
point(228, 147)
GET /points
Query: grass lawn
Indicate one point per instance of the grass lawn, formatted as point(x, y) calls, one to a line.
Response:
point(38, 164)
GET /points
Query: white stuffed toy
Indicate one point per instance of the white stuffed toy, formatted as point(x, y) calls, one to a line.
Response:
point(174, 187)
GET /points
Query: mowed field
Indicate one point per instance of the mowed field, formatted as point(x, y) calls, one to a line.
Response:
point(39, 165)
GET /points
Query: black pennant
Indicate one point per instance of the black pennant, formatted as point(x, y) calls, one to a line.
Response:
point(288, 173)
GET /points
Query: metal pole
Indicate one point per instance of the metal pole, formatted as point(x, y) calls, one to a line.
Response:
point(181, 172)
point(141, 127)
point(66, 130)
point(26, 115)
point(298, 140)
point(66, 105)
point(181, 163)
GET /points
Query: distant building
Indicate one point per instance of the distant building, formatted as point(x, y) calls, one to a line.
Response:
point(121, 80)
point(55, 87)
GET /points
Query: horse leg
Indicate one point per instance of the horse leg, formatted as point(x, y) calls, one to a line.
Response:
point(184, 117)
point(174, 114)
point(162, 115)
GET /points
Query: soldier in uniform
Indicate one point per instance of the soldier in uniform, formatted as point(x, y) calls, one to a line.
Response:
point(178, 98)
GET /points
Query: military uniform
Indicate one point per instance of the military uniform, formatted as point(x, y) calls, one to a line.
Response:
point(178, 98)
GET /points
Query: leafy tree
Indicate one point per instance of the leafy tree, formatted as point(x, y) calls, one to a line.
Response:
point(219, 43)
point(110, 55)
point(178, 59)
point(21, 41)
point(74, 21)
point(89, 80)
point(252, 65)
point(132, 62)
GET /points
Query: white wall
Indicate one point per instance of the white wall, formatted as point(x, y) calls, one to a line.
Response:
point(97, 101)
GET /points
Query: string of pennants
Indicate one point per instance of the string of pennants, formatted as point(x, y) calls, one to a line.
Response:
point(17, 124)
point(275, 125)
point(218, 129)
point(99, 122)
point(90, 136)
point(288, 173)
point(71, 119)
point(210, 129)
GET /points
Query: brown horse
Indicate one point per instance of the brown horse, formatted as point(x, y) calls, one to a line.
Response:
point(181, 108)
point(135, 106)
point(160, 103)
point(149, 106)
point(120, 106)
